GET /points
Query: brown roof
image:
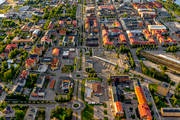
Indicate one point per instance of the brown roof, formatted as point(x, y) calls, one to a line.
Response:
point(96, 88)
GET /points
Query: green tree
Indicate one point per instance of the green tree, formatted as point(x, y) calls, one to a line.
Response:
point(19, 115)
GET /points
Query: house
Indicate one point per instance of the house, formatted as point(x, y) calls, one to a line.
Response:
point(22, 77)
point(36, 32)
point(55, 63)
point(177, 33)
point(51, 86)
point(97, 89)
point(43, 68)
point(40, 82)
point(31, 113)
point(38, 92)
point(17, 89)
point(2, 56)
point(45, 40)
point(69, 40)
point(118, 109)
point(116, 101)
point(65, 54)
point(30, 63)
point(66, 85)
point(10, 47)
point(1, 89)
point(55, 52)
point(37, 51)
point(62, 32)
point(8, 110)
point(156, 27)
point(46, 60)
point(170, 112)
point(34, 56)
point(145, 112)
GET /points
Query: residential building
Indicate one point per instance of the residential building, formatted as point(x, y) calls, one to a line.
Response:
point(170, 112)
point(31, 113)
point(144, 110)
point(55, 63)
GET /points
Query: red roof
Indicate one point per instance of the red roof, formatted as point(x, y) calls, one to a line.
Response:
point(62, 32)
point(122, 38)
point(145, 112)
point(54, 62)
point(118, 108)
point(96, 88)
point(52, 84)
point(30, 61)
point(24, 74)
point(115, 30)
point(55, 52)
point(9, 46)
point(45, 39)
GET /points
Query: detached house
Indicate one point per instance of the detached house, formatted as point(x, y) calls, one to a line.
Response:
point(10, 47)
point(46, 40)
point(23, 77)
point(37, 51)
point(30, 63)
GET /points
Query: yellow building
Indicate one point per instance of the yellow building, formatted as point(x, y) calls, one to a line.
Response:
point(163, 89)
point(170, 112)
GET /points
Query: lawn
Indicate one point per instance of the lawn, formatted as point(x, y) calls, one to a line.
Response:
point(40, 115)
point(77, 89)
point(105, 112)
point(67, 68)
point(87, 113)
point(82, 89)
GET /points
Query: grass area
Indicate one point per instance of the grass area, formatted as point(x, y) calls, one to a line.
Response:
point(77, 89)
point(67, 68)
point(160, 101)
point(76, 105)
point(105, 118)
point(105, 112)
point(4, 9)
point(78, 75)
point(105, 105)
point(40, 115)
point(94, 78)
point(87, 113)
point(128, 90)
point(20, 111)
point(82, 89)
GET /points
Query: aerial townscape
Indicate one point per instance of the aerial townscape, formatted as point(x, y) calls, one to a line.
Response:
point(89, 59)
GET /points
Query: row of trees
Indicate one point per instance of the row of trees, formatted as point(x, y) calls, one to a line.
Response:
point(172, 49)
point(175, 99)
point(8, 23)
point(131, 60)
point(6, 73)
point(152, 72)
point(80, 59)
